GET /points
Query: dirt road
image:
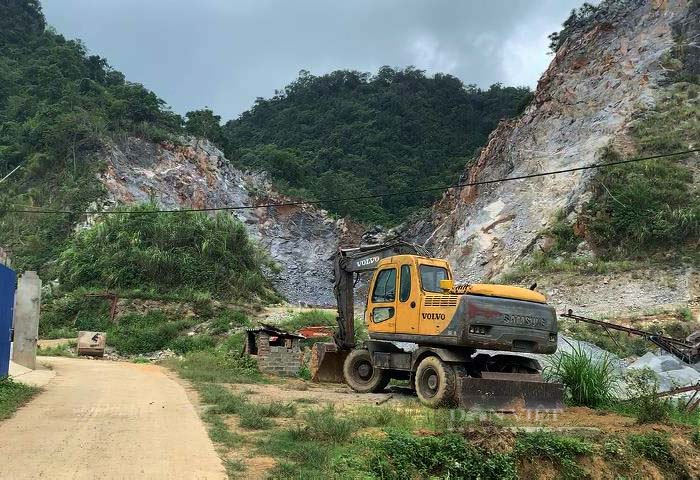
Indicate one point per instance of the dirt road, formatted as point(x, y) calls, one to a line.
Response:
point(107, 420)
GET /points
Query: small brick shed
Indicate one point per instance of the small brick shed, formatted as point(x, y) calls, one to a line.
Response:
point(276, 351)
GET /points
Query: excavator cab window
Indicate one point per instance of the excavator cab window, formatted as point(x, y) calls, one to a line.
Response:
point(405, 285)
point(385, 286)
point(431, 276)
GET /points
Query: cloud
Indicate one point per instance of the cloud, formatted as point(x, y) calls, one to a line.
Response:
point(225, 53)
point(428, 55)
point(521, 58)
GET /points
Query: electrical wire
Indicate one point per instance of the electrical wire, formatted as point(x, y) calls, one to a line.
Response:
point(358, 198)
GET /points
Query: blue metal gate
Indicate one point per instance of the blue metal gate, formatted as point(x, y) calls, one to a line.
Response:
point(8, 282)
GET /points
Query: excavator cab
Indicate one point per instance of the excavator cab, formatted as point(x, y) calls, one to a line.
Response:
point(397, 293)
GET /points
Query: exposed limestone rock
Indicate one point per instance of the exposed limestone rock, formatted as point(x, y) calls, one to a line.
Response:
point(300, 239)
point(599, 79)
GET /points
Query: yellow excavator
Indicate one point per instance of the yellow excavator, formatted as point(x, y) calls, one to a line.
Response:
point(463, 345)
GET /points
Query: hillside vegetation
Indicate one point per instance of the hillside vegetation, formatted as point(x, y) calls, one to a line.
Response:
point(173, 272)
point(349, 134)
point(651, 207)
point(58, 107)
point(166, 253)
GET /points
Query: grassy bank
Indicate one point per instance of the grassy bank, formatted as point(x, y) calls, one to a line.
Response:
point(292, 429)
point(13, 395)
point(306, 438)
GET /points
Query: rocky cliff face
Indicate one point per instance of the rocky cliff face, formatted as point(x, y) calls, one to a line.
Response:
point(300, 239)
point(598, 81)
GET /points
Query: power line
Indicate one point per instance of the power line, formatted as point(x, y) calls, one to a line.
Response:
point(13, 171)
point(363, 197)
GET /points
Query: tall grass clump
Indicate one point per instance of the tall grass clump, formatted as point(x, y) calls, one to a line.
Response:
point(324, 424)
point(589, 381)
point(167, 252)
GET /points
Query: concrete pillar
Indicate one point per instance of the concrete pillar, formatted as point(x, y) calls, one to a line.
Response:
point(26, 319)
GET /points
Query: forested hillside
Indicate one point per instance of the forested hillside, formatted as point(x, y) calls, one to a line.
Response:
point(353, 134)
point(58, 106)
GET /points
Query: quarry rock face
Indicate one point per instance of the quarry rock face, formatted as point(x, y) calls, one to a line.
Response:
point(301, 239)
point(599, 79)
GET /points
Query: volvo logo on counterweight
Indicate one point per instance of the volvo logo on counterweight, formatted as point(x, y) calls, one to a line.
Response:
point(524, 321)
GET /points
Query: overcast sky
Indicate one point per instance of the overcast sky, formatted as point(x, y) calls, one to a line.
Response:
point(225, 53)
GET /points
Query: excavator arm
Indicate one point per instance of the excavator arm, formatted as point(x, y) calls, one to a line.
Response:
point(327, 358)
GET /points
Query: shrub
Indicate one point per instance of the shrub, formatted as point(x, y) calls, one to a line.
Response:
point(192, 343)
point(227, 319)
point(305, 319)
point(652, 446)
point(645, 205)
point(165, 252)
point(559, 449)
point(618, 343)
point(59, 332)
point(643, 389)
point(652, 205)
point(685, 314)
point(402, 454)
point(233, 343)
point(76, 309)
point(565, 240)
point(202, 306)
point(588, 382)
point(145, 333)
point(63, 350)
point(305, 371)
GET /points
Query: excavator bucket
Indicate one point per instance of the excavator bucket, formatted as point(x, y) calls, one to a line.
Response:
point(327, 363)
point(509, 392)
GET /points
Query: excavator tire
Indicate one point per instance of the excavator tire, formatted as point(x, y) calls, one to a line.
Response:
point(436, 382)
point(361, 375)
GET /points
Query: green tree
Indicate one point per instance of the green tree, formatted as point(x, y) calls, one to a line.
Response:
point(204, 124)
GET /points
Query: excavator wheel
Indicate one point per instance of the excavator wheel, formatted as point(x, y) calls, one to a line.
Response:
point(435, 382)
point(361, 375)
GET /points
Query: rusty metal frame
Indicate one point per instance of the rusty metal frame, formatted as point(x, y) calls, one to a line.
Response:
point(113, 297)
